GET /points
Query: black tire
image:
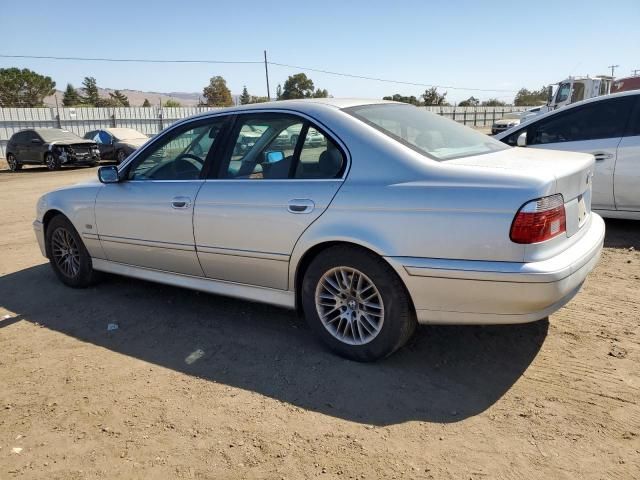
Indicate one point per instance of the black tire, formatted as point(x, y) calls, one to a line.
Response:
point(294, 140)
point(14, 165)
point(399, 321)
point(85, 275)
point(51, 161)
point(120, 157)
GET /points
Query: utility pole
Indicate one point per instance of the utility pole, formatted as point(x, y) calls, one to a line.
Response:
point(613, 68)
point(634, 72)
point(266, 72)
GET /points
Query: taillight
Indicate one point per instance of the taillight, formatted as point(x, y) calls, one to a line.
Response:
point(539, 220)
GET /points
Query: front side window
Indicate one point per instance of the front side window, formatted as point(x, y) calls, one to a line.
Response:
point(602, 119)
point(102, 137)
point(429, 134)
point(180, 154)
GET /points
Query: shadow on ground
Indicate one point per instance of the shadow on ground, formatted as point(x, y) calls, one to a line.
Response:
point(622, 233)
point(445, 374)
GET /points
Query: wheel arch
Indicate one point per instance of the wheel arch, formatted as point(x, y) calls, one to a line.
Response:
point(46, 220)
point(312, 252)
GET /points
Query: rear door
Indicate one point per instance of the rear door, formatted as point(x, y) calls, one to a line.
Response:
point(267, 191)
point(627, 173)
point(596, 128)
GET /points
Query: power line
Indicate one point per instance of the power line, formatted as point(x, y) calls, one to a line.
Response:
point(132, 60)
point(310, 69)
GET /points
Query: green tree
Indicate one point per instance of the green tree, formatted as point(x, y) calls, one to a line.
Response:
point(297, 86)
point(24, 88)
point(469, 102)
point(279, 92)
point(526, 97)
point(258, 99)
point(119, 99)
point(70, 98)
point(493, 102)
point(245, 98)
point(396, 97)
point(432, 97)
point(91, 95)
point(171, 103)
point(217, 94)
point(146, 103)
point(320, 93)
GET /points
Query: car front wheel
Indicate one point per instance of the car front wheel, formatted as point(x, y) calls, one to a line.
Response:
point(67, 254)
point(51, 161)
point(357, 304)
point(14, 166)
point(121, 156)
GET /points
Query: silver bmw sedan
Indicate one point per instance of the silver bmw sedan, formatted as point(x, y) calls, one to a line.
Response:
point(378, 216)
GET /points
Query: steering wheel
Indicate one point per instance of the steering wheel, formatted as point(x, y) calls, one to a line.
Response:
point(188, 166)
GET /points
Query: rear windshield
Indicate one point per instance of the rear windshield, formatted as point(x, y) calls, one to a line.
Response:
point(432, 135)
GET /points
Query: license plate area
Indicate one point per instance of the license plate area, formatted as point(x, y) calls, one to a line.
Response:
point(583, 212)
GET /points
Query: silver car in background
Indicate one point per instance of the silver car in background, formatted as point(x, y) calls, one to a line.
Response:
point(397, 216)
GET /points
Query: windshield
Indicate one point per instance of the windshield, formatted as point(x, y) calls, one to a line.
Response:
point(563, 92)
point(58, 135)
point(126, 134)
point(427, 133)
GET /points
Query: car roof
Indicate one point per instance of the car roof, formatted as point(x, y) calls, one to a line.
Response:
point(302, 105)
point(537, 118)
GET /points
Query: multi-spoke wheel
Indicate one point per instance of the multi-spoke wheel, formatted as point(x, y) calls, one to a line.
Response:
point(67, 254)
point(356, 303)
point(14, 166)
point(121, 156)
point(349, 305)
point(51, 161)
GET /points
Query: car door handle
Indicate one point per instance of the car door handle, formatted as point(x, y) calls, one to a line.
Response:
point(181, 202)
point(300, 205)
point(600, 156)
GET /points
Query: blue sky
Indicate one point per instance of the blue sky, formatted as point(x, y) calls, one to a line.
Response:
point(490, 44)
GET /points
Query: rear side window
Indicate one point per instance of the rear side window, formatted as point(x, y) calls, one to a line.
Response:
point(634, 121)
point(604, 119)
point(279, 146)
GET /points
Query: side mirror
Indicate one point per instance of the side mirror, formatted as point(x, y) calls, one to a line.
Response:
point(108, 174)
point(36, 141)
point(522, 140)
point(274, 156)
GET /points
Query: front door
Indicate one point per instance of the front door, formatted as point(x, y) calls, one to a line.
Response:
point(146, 219)
point(278, 175)
point(627, 174)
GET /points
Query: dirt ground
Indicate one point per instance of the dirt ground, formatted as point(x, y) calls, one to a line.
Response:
point(197, 386)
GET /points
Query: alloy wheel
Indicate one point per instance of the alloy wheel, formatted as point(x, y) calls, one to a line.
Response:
point(65, 252)
point(51, 162)
point(11, 161)
point(349, 305)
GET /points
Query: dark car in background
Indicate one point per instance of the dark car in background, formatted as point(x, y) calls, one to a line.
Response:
point(52, 147)
point(116, 143)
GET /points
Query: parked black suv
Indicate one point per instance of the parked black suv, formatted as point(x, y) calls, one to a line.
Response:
point(52, 147)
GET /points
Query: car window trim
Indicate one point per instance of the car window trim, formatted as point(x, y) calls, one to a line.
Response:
point(218, 174)
point(231, 115)
point(182, 127)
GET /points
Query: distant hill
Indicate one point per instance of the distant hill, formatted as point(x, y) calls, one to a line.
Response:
point(136, 97)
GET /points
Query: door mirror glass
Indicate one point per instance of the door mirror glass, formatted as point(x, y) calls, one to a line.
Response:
point(108, 174)
point(37, 141)
point(274, 156)
point(522, 139)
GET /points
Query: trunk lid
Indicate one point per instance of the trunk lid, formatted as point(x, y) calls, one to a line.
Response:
point(573, 173)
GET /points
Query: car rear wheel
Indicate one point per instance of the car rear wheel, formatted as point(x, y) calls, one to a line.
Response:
point(67, 254)
point(294, 140)
point(120, 156)
point(14, 166)
point(51, 161)
point(357, 304)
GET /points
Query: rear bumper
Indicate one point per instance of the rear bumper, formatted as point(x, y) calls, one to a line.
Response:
point(479, 292)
